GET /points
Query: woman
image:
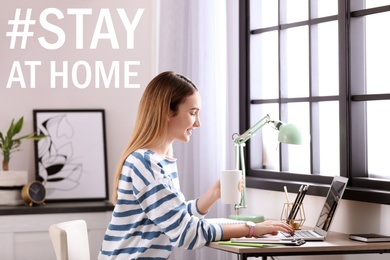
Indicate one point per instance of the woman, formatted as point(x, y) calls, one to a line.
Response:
point(151, 216)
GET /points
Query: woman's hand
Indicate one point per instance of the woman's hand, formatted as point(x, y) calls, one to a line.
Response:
point(272, 227)
point(213, 194)
point(216, 188)
point(241, 184)
point(267, 227)
point(209, 197)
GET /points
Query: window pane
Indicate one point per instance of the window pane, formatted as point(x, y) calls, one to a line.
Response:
point(357, 55)
point(376, 3)
point(264, 66)
point(296, 158)
point(329, 138)
point(359, 5)
point(264, 145)
point(377, 139)
point(295, 62)
point(322, 8)
point(263, 13)
point(325, 69)
point(293, 10)
point(377, 53)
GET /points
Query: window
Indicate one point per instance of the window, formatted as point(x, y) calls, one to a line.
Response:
point(322, 64)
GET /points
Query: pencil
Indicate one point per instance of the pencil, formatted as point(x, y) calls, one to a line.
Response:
point(300, 201)
point(294, 205)
point(286, 193)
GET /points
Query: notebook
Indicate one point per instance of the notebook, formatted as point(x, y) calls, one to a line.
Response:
point(370, 237)
point(224, 221)
point(327, 213)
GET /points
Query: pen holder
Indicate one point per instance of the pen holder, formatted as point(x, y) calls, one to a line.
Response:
point(297, 221)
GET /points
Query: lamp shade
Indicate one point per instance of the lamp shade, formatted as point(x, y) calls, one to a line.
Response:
point(289, 134)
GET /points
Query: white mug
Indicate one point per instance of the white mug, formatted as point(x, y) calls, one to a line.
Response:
point(230, 192)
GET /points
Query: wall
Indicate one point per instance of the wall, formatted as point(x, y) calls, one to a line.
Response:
point(351, 217)
point(39, 92)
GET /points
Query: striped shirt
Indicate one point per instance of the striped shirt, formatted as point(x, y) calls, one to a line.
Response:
point(151, 215)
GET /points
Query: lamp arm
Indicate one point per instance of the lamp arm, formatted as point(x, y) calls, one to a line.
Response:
point(240, 158)
point(239, 143)
point(252, 131)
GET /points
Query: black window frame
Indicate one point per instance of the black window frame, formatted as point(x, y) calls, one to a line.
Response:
point(360, 188)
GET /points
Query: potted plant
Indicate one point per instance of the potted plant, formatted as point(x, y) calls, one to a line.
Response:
point(11, 182)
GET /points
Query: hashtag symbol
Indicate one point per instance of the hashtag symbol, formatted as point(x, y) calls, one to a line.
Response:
point(25, 33)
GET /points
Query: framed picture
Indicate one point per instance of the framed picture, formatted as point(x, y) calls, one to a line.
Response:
point(71, 162)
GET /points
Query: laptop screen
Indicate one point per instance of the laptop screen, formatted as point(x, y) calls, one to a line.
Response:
point(333, 198)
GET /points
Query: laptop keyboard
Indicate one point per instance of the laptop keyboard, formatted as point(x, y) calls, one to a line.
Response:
point(300, 234)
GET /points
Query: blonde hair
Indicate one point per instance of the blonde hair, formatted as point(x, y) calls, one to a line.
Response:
point(161, 98)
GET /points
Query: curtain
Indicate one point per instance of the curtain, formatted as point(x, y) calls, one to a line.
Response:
point(198, 39)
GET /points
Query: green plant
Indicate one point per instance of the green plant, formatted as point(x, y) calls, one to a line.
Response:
point(9, 144)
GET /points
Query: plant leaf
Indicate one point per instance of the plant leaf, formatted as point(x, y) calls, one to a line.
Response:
point(9, 145)
point(15, 128)
point(18, 126)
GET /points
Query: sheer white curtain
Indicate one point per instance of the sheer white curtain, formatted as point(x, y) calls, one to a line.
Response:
point(199, 39)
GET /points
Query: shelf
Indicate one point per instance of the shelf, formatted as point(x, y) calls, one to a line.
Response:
point(57, 207)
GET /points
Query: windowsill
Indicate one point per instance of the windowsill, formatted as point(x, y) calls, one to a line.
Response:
point(315, 189)
point(319, 189)
point(57, 207)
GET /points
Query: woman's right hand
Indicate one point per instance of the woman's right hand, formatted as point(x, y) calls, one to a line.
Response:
point(272, 227)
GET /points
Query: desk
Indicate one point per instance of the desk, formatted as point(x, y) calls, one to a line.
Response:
point(335, 243)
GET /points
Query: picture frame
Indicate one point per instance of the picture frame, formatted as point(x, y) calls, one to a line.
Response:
point(71, 161)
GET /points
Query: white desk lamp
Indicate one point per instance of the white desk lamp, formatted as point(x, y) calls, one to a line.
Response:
point(288, 134)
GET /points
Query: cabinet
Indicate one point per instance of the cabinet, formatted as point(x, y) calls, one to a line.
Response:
point(24, 230)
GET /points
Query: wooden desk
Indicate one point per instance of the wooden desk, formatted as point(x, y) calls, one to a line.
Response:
point(335, 243)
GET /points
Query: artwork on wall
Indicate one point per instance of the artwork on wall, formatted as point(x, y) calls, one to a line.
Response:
point(71, 161)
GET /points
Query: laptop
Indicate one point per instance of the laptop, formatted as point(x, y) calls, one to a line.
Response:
point(327, 213)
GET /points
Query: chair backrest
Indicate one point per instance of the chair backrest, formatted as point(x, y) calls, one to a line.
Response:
point(70, 240)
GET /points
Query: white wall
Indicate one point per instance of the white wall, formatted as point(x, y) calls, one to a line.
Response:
point(120, 104)
point(351, 217)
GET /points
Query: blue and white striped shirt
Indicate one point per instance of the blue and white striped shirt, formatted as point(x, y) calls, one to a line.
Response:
point(151, 215)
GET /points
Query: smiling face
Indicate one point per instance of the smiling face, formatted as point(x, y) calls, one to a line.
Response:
point(181, 125)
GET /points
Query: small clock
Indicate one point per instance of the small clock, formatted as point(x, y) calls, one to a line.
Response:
point(34, 192)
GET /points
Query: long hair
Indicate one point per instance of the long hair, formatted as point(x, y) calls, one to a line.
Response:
point(161, 98)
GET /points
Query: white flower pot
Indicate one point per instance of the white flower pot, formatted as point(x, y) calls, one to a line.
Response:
point(11, 184)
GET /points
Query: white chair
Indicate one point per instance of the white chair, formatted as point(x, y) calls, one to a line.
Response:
point(70, 240)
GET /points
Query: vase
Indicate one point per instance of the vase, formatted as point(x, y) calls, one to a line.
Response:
point(11, 184)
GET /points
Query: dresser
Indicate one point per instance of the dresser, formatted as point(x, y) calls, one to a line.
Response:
point(24, 230)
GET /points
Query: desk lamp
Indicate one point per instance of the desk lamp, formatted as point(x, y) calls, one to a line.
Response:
point(288, 134)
